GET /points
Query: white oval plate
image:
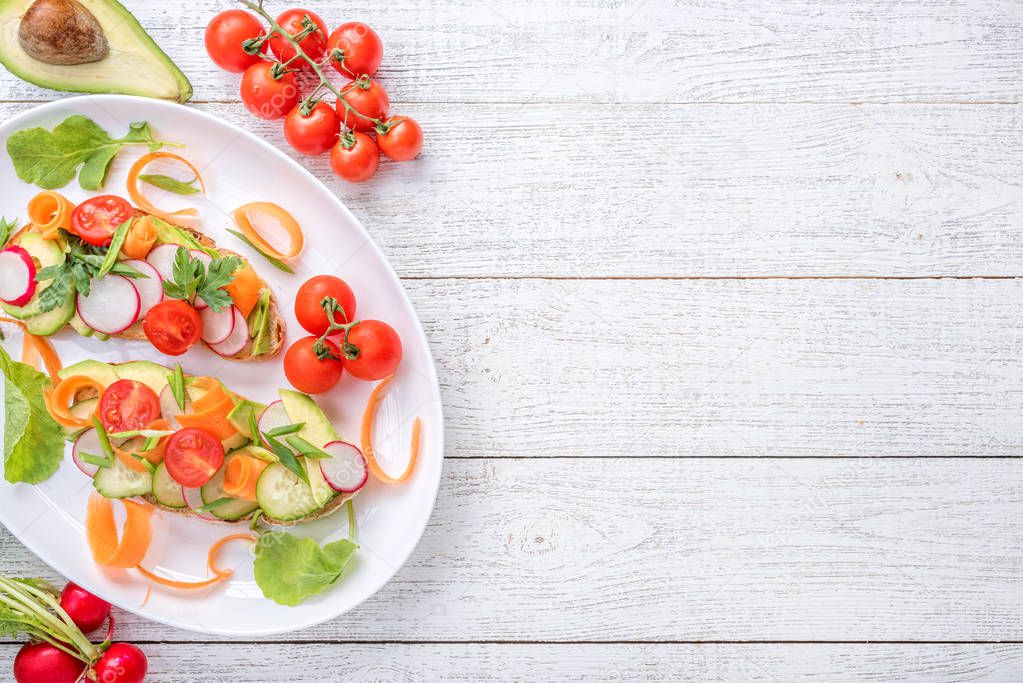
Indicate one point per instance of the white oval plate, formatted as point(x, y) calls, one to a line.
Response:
point(240, 168)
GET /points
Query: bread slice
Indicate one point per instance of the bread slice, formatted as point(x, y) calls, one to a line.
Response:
point(333, 506)
point(277, 335)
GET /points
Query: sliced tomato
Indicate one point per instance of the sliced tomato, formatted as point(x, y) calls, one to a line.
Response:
point(126, 405)
point(172, 326)
point(95, 220)
point(193, 456)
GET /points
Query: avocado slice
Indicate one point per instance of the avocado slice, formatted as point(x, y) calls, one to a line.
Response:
point(153, 375)
point(318, 431)
point(239, 416)
point(94, 369)
point(94, 46)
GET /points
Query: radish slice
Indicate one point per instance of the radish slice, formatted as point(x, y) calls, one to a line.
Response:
point(112, 305)
point(162, 258)
point(217, 327)
point(273, 416)
point(202, 256)
point(169, 407)
point(200, 304)
point(345, 470)
point(87, 442)
point(17, 276)
point(193, 497)
point(150, 288)
point(238, 338)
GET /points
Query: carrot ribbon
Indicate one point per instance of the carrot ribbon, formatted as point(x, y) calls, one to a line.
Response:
point(48, 212)
point(211, 564)
point(243, 217)
point(177, 217)
point(368, 419)
point(101, 532)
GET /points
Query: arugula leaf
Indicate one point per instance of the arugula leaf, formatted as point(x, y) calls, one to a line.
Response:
point(50, 159)
point(289, 569)
point(177, 385)
point(6, 230)
point(115, 248)
point(169, 184)
point(33, 441)
point(276, 263)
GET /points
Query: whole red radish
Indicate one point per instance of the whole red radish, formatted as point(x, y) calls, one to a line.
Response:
point(122, 663)
point(44, 663)
point(85, 609)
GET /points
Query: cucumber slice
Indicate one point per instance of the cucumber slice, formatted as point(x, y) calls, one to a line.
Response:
point(167, 491)
point(214, 490)
point(45, 324)
point(117, 481)
point(283, 496)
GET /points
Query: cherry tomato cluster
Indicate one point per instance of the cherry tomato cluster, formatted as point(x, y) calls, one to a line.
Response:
point(357, 127)
point(368, 349)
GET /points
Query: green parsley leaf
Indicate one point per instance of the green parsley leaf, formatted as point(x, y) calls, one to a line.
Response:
point(169, 184)
point(191, 278)
point(33, 441)
point(50, 159)
point(6, 230)
point(276, 263)
point(289, 569)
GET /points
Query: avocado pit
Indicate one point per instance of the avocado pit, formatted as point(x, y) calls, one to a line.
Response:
point(62, 32)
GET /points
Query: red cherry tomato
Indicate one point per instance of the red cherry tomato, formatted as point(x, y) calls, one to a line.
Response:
point(193, 456)
point(126, 405)
point(122, 663)
point(355, 157)
point(379, 350)
point(314, 133)
point(95, 220)
point(172, 326)
point(309, 373)
point(267, 97)
point(314, 44)
point(363, 50)
point(85, 609)
point(43, 663)
point(403, 140)
point(225, 35)
point(309, 309)
point(371, 101)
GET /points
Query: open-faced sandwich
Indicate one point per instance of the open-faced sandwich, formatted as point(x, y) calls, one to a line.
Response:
point(191, 445)
point(107, 269)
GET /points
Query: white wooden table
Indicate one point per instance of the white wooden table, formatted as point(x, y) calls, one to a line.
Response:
point(726, 305)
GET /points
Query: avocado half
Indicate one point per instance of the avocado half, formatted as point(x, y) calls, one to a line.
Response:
point(124, 58)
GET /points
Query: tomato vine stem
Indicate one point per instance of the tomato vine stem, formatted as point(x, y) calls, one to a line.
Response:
point(308, 28)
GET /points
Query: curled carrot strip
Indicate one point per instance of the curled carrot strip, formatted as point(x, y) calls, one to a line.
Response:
point(368, 419)
point(29, 352)
point(59, 398)
point(241, 474)
point(140, 238)
point(176, 217)
point(44, 348)
point(101, 532)
point(286, 221)
point(211, 563)
point(48, 212)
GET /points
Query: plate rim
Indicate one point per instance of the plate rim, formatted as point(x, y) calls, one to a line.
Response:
point(11, 124)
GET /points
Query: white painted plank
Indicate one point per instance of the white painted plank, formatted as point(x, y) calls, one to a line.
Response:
point(674, 549)
point(698, 191)
point(650, 50)
point(326, 663)
point(720, 368)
